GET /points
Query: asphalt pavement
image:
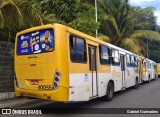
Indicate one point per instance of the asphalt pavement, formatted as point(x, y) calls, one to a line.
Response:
point(146, 96)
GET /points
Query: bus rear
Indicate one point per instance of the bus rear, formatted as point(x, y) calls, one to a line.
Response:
point(158, 69)
point(41, 63)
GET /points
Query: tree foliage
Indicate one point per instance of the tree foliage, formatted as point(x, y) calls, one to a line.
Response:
point(79, 15)
point(85, 19)
point(130, 27)
point(125, 25)
point(16, 15)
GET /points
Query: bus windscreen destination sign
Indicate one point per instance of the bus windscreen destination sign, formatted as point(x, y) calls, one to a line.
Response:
point(36, 42)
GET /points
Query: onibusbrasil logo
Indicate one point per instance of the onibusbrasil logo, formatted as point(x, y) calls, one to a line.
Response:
point(21, 111)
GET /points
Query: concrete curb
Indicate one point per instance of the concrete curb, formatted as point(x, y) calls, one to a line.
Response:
point(19, 102)
point(7, 95)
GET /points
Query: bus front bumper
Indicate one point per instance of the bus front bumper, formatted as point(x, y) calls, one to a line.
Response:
point(60, 94)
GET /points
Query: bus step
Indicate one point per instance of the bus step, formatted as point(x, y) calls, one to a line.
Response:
point(93, 97)
point(141, 82)
point(123, 88)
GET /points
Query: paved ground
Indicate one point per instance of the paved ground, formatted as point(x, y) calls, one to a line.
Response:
point(146, 96)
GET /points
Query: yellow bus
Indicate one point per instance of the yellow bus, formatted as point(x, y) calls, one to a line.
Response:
point(141, 69)
point(158, 69)
point(55, 62)
point(149, 70)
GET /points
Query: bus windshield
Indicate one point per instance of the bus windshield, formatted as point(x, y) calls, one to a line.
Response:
point(36, 42)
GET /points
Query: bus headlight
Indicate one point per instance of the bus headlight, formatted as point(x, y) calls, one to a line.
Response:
point(57, 77)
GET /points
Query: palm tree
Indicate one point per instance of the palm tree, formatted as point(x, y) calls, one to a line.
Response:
point(122, 26)
point(65, 10)
point(17, 14)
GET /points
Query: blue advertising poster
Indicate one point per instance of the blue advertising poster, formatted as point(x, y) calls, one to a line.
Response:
point(36, 42)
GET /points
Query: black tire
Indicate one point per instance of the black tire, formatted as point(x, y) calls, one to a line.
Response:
point(136, 84)
point(109, 92)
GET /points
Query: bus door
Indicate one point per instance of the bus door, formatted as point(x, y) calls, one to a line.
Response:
point(93, 69)
point(140, 69)
point(145, 69)
point(122, 60)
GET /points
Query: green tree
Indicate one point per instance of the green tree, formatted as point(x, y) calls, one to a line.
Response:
point(16, 15)
point(44, 8)
point(64, 10)
point(146, 18)
point(89, 1)
point(122, 26)
point(85, 19)
point(76, 14)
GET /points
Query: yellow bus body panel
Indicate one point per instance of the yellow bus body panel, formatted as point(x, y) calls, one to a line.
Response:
point(158, 68)
point(45, 65)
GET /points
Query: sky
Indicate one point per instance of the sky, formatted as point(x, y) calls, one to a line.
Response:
point(146, 3)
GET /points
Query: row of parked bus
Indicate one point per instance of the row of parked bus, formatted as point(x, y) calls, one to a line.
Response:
point(158, 69)
point(149, 71)
point(55, 62)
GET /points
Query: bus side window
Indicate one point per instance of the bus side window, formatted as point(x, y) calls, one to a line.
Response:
point(128, 60)
point(115, 57)
point(132, 61)
point(77, 49)
point(104, 55)
point(154, 66)
point(149, 65)
point(142, 63)
point(135, 62)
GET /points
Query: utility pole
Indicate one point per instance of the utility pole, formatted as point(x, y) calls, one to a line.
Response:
point(96, 17)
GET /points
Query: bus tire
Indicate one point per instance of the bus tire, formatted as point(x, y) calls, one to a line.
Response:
point(109, 92)
point(136, 84)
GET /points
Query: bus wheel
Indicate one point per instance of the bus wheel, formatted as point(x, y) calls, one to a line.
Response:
point(136, 84)
point(110, 92)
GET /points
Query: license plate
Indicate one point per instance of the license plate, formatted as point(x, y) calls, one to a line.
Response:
point(34, 82)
